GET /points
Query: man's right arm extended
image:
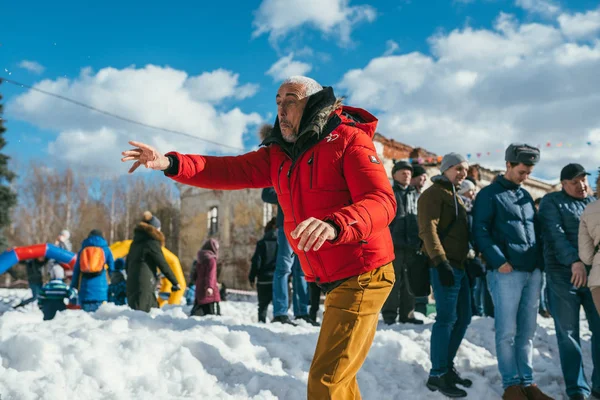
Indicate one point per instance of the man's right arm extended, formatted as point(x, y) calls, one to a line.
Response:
point(251, 170)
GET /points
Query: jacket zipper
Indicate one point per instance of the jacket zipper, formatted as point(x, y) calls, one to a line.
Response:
point(279, 176)
point(289, 175)
point(310, 162)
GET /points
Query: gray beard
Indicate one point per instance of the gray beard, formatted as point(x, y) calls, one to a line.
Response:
point(290, 139)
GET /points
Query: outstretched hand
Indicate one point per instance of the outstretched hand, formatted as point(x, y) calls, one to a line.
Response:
point(145, 155)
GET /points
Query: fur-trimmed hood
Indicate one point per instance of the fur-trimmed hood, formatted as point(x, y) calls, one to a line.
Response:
point(150, 231)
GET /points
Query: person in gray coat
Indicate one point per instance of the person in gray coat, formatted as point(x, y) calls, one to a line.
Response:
point(560, 214)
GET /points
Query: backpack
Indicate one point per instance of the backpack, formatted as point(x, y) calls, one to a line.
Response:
point(92, 260)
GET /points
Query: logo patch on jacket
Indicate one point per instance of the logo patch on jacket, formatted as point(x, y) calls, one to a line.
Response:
point(374, 159)
point(331, 137)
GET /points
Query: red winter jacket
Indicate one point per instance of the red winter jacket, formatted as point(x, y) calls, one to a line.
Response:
point(334, 176)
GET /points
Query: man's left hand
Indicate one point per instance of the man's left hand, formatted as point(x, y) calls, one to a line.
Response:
point(312, 233)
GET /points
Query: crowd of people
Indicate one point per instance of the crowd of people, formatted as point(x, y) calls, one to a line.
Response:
point(375, 248)
point(98, 278)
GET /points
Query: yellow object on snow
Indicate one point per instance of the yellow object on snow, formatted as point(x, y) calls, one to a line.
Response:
point(121, 249)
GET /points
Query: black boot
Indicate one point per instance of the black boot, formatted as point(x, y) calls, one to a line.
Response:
point(283, 319)
point(445, 386)
point(455, 377)
point(308, 319)
point(411, 321)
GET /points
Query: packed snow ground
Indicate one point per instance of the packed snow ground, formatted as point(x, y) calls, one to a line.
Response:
point(118, 353)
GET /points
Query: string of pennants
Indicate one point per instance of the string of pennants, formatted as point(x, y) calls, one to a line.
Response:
point(431, 160)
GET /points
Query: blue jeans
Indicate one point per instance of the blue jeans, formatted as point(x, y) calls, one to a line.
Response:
point(300, 295)
point(283, 268)
point(453, 307)
point(516, 298)
point(565, 304)
point(91, 306)
point(482, 300)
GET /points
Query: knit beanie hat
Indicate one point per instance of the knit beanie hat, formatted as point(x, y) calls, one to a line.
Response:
point(418, 171)
point(466, 186)
point(151, 219)
point(450, 160)
point(401, 165)
point(57, 272)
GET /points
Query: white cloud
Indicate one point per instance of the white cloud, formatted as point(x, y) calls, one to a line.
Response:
point(154, 95)
point(32, 66)
point(482, 89)
point(332, 17)
point(286, 67)
point(580, 25)
point(217, 85)
point(391, 47)
point(545, 8)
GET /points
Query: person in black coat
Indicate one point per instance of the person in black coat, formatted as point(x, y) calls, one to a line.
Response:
point(263, 269)
point(145, 255)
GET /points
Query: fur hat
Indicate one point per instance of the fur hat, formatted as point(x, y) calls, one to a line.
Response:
point(66, 234)
point(151, 219)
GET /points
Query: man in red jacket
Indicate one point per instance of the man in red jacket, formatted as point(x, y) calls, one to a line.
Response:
point(337, 204)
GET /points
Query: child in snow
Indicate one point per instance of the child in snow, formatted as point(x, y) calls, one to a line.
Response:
point(90, 275)
point(263, 268)
point(207, 289)
point(52, 296)
point(117, 290)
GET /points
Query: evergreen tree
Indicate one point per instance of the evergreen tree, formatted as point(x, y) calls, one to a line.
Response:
point(8, 199)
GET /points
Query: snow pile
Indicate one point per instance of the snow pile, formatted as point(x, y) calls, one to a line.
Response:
point(118, 353)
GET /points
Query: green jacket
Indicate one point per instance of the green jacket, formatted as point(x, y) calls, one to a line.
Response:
point(145, 256)
point(438, 206)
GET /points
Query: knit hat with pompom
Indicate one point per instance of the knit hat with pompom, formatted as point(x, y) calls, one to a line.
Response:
point(151, 219)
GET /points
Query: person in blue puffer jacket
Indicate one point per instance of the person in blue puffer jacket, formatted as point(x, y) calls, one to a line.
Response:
point(566, 275)
point(90, 275)
point(506, 232)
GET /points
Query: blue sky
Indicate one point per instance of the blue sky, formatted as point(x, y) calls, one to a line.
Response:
point(343, 42)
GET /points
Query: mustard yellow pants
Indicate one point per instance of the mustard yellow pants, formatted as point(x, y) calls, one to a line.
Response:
point(596, 297)
point(347, 331)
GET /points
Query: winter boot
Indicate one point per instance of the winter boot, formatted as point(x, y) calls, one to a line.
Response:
point(456, 378)
point(308, 319)
point(514, 392)
point(596, 394)
point(445, 386)
point(411, 321)
point(578, 396)
point(533, 392)
point(283, 319)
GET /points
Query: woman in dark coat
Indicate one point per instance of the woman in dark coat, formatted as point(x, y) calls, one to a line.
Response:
point(145, 255)
point(207, 288)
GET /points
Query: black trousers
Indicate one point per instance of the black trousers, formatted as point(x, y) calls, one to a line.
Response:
point(401, 302)
point(315, 300)
point(265, 297)
point(206, 309)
